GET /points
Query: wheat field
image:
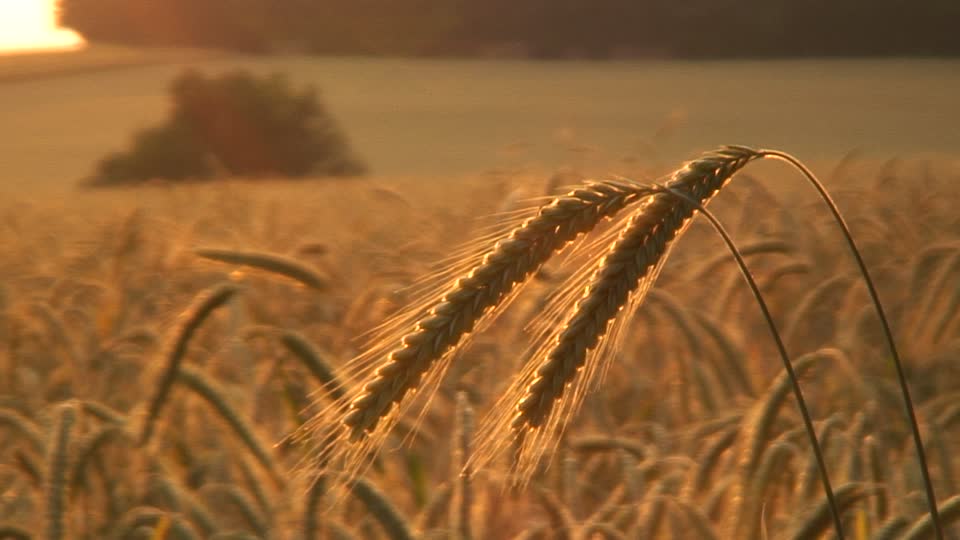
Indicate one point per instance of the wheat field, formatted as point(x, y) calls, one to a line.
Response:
point(175, 358)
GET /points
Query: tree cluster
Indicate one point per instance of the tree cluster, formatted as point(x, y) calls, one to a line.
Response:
point(235, 125)
point(537, 28)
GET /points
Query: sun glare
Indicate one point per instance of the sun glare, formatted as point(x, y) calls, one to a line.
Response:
point(30, 25)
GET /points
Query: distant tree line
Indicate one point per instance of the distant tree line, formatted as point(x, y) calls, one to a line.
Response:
point(537, 28)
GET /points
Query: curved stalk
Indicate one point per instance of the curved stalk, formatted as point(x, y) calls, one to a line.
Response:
point(798, 394)
point(888, 334)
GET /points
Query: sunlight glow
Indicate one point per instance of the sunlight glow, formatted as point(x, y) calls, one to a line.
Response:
point(30, 25)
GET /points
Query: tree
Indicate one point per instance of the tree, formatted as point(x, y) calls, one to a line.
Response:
point(237, 124)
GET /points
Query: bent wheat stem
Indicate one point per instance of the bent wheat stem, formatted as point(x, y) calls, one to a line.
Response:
point(887, 332)
point(781, 348)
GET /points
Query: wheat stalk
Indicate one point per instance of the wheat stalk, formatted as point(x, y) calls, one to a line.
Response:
point(891, 529)
point(885, 325)
point(255, 487)
point(433, 512)
point(463, 495)
point(88, 447)
point(706, 461)
point(808, 477)
point(698, 522)
point(732, 367)
point(760, 247)
point(877, 475)
point(27, 428)
point(925, 527)
point(314, 360)
point(103, 412)
point(27, 464)
point(170, 492)
point(149, 516)
point(394, 524)
point(631, 264)
point(218, 493)
point(788, 367)
point(775, 460)
point(817, 519)
point(311, 525)
point(214, 395)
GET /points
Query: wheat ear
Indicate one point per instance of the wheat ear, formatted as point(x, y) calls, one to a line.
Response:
point(631, 261)
point(816, 521)
point(511, 262)
point(191, 319)
point(313, 359)
point(395, 526)
point(760, 247)
point(256, 487)
point(268, 262)
point(88, 447)
point(707, 460)
point(925, 527)
point(57, 473)
point(219, 492)
point(463, 495)
point(891, 529)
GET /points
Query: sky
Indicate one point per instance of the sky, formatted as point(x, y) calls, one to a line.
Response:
point(31, 25)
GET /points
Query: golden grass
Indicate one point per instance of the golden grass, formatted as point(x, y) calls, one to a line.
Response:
point(669, 445)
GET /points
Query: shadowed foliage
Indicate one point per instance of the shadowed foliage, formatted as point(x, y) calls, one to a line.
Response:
point(236, 124)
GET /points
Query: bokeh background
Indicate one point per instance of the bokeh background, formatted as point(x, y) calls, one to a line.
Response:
point(341, 152)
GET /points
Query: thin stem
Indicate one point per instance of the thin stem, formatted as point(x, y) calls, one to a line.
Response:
point(798, 394)
point(888, 334)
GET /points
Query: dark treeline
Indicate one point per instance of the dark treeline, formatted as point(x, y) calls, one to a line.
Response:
point(536, 28)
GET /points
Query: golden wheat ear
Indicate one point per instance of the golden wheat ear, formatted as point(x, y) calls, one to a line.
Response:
point(412, 353)
point(572, 357)
point(510, 263)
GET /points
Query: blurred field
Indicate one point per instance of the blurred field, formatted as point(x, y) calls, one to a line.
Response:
point(449, 117)
point(92, 58)
point(93, 284)
point(691, 435)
